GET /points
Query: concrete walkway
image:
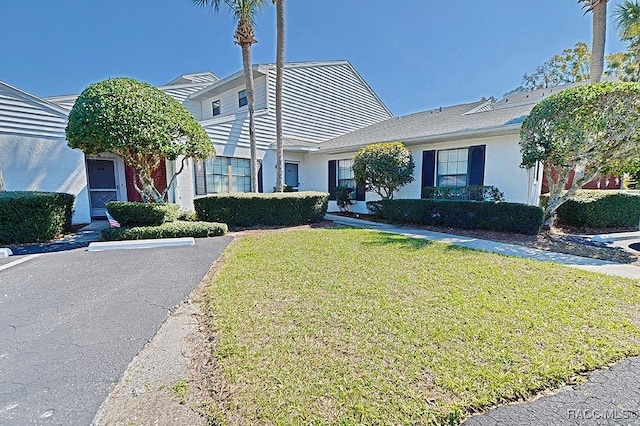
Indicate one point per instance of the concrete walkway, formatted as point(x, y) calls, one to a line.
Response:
point(594, 265)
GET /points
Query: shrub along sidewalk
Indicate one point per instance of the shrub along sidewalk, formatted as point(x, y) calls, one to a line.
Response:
point(346, 326)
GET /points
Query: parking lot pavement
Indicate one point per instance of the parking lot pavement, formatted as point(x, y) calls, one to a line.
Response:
point(71, 321)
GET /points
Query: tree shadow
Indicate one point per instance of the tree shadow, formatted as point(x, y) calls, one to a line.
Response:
point(384, 239)
point(80, 239)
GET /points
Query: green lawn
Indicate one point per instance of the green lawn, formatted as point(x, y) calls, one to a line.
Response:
point(343, 326)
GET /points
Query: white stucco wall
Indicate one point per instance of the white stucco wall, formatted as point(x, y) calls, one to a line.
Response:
point(40, 164)
point(502, 160)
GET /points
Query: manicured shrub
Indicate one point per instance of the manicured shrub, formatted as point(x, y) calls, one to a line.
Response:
point(463, 193)
point(175, 229)
point(238, 209)
point(187, 216)
point(27, 217)
point(599, 209)
point(142, 214)
point(506, 217)
point(343, 197)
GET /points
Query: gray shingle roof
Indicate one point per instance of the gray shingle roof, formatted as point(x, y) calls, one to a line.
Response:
point(436, 125)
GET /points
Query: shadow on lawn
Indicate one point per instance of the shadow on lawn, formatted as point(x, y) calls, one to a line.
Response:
point(383, 239)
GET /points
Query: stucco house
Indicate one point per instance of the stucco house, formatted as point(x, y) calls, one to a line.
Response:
point(329, 113)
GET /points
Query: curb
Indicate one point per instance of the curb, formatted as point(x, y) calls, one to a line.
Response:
point(141, 244)
point(5, 252)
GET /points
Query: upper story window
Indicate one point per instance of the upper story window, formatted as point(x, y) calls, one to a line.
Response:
point(242, 98)
point(215, 105)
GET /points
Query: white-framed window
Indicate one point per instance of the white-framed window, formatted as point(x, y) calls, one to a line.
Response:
point(242, 98)
point(228, 174)
point(215, 106)
point(345, 173)
point(453, 167)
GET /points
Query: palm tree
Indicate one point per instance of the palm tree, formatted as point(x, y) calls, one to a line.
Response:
point(280, 25)
point(244, 11)
point(598, 8)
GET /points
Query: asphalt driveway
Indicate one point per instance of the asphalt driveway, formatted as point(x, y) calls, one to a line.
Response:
point(71, 321)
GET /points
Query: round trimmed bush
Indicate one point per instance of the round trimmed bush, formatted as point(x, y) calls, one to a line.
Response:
point(129, 213)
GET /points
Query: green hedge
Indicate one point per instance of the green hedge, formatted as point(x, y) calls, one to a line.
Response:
point(294, 208)
point(175, 229)
point(506, 217)
point(599, 209)
point(129, 213)
point(28, 217)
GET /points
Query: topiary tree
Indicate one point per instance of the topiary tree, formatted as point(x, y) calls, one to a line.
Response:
point(383, 168)
point(139, 123)
point(593, 130)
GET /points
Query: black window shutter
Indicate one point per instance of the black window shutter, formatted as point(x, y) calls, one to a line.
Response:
point(260, 181)
point(476, 165)
point(428, 168)
point(360, 193)
point(333, 179)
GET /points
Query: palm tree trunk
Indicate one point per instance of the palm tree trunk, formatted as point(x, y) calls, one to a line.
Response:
point(280, 24)
point(251, 105)
point(599, 11)
point(2, 188)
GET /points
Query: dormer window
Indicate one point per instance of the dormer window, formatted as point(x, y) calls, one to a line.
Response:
point(215, 105)
point(242, 98)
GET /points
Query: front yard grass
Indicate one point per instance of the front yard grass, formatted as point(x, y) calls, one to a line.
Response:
point(344, 326)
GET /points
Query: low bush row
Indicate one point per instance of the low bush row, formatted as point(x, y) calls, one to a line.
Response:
point(505, 217)
point(174, 229)
point(599, 209)
point(27, 217)
point(287, 209)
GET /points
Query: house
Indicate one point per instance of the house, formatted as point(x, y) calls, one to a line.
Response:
point(329, 112)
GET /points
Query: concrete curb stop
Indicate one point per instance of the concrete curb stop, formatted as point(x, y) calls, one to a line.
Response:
point(141, 244)
point(5, 252)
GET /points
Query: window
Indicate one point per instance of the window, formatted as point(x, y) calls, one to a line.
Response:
point(341, 173)
point(225, 174)
point(216, 107)
point(345, 174)
point(242, 98)
point(452, 167)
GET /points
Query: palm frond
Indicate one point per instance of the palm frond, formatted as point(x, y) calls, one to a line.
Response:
point(590, 4)
point(213, 4)
point(627, 18)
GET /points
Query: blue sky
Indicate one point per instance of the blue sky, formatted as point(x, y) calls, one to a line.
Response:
point(416, 54)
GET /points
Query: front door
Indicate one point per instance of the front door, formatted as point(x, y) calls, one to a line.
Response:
point(291, 175)
point(102, 185)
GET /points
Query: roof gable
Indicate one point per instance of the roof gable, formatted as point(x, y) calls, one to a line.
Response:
point(22, 113)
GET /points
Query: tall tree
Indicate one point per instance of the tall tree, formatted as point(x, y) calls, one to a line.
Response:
point(280, 26)
point(570, 66)
point(244, 11)
point(598, 9)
